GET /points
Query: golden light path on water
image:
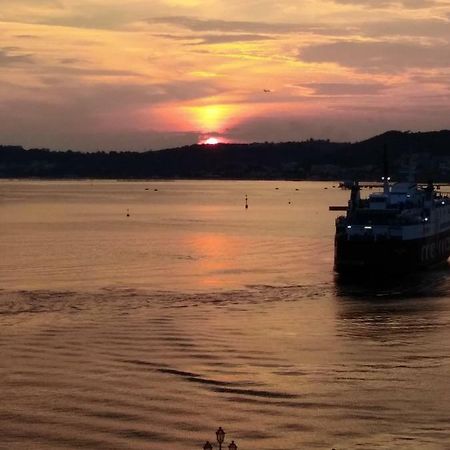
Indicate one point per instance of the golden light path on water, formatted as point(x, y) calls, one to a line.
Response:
point(147, 332)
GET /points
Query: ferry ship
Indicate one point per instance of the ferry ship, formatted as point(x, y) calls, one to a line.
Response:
point(403, 228)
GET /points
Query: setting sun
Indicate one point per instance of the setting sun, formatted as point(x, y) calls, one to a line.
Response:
point(211, 141)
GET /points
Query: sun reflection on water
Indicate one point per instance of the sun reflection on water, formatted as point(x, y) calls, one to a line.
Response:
point(217, 255)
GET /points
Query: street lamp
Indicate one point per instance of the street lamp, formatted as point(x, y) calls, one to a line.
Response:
point(220, 437)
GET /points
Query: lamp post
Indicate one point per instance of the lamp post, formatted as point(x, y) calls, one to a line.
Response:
point(220, 434)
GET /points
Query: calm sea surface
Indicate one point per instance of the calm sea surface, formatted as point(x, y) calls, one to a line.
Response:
point(150, 331)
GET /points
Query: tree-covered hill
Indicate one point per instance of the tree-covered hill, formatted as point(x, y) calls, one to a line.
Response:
point(312, 159)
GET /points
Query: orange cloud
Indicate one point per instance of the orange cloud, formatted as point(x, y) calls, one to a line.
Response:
point(168, 72)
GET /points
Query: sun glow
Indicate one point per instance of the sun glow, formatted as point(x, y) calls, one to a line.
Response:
point(211, 118)
point(211, 141)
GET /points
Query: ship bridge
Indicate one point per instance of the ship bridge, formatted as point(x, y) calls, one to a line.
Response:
point(397, 212)
point(399, 196)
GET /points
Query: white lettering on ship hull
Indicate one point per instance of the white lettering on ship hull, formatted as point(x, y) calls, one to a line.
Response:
point(435, 250)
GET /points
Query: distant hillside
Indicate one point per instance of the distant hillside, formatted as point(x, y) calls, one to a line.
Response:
point(312, 159)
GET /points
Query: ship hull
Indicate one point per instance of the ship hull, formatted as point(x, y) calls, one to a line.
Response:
point(390, 255)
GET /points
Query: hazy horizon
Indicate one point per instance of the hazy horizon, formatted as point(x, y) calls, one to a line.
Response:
point(151, 75)
point(208, 144)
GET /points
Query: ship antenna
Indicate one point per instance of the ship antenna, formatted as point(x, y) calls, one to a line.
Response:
point(430, 183)
point(429, 171)
point(411, 170)
point(386, 177)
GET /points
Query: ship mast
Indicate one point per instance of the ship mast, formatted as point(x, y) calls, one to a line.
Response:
point(386, 177)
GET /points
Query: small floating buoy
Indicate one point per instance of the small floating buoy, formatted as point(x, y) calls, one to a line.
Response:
point(128, 213)
point(146, 189)
point(289, 202)
point(296, 189)
point(276, 189)
point(246, 201)
point(156, 190)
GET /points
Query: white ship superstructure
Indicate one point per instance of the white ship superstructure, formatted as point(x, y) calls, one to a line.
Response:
point(405, 226)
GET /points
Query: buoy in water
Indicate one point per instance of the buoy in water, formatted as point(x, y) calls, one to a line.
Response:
point(128, 213)
point(246, 201)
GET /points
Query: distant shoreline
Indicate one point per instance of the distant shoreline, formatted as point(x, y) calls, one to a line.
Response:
point(165, 180)
point(311, 160)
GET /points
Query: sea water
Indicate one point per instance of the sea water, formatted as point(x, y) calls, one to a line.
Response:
point(144, 315)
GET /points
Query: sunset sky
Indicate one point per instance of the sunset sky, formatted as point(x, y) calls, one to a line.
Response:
point(150, 74)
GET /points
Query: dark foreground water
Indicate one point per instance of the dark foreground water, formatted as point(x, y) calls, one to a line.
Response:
point(150, 331)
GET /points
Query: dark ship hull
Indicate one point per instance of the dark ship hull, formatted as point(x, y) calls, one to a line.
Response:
point(369, 255)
